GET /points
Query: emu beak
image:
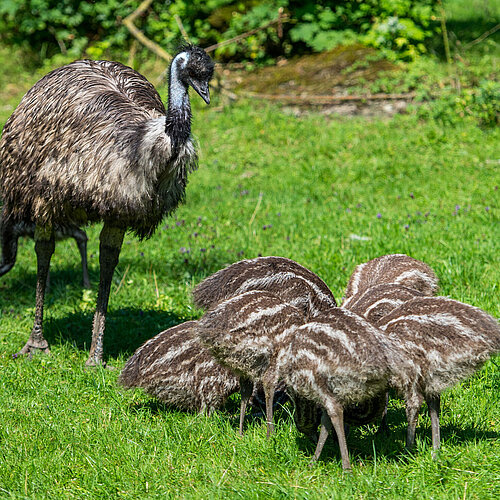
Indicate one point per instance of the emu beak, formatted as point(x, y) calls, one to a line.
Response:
point(202, 89)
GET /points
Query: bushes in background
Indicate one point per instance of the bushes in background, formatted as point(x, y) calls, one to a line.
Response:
point(400, 27)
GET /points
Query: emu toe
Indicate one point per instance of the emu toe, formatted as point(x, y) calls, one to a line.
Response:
point(33, 347)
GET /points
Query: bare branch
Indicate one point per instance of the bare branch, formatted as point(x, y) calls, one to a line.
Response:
point(137, 33)
point(281, 19)
point(178, 20)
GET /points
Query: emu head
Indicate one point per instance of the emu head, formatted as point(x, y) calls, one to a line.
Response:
point(194, 68)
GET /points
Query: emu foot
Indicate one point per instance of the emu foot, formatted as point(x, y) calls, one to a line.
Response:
point(33, 347)
point(94, 363)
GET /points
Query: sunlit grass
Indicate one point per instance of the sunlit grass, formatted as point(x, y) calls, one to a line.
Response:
point(327, 192)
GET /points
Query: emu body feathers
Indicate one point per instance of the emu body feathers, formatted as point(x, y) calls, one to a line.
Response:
point(88, 143)
point(92, 141)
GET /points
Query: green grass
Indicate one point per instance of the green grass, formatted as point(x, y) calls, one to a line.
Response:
point(333, 193)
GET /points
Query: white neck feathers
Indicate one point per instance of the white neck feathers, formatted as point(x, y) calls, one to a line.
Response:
point(177, 91)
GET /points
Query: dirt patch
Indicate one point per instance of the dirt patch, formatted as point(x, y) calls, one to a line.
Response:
point(322, 82)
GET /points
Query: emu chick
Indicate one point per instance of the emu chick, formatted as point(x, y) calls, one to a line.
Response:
point(245, 333)
point(285, 278)
point(395, 268)
point(9, 234)
point(175, 368)
point(336, 361)
point(379, 300)
point(445, 341)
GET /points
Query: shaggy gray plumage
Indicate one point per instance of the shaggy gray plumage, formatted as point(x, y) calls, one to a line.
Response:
point(175, 368)
point(92, 141)
point(395, 268)
point(244, 333)
point(8, 244)
point(285, 278)
point(444, 342)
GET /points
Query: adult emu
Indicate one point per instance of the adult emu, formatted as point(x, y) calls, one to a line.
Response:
point(92, 141)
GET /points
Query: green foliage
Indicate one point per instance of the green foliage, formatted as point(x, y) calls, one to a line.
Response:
point(400, 27)
point(480, 104)
point(70, 26)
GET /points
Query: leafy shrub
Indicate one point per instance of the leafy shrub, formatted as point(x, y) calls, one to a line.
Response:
point(401, 27)
point(70, 26)
point(481, 104)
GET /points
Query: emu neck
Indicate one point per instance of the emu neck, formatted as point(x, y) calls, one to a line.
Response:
point(178, 122)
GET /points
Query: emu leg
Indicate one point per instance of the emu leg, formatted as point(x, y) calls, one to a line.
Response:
point(246, 389)
point(44, 248)
point(336, 414)
point(434, 403)
point(384, 427)
point(81, 242)
point(8, 240)
point(325, 429)
point(269, 388)
point(413, 404)
point(111, 240)
point(333, 418)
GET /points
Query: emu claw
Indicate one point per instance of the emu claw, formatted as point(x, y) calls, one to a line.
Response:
point(31, 348)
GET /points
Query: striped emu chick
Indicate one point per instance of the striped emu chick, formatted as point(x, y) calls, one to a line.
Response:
point(379, 300)
point(337, 361)
point(445, 342)
point(9, 234)
point(175, 368)
point(396, 268)
point(244, 333)
point(373, 304)
point(288, 280)
point(285, 278)
point(375, 289)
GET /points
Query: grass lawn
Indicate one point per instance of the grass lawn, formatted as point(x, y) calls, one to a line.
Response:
point(329, 193)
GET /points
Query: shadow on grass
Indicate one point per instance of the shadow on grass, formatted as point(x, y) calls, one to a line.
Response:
point(231, 410)
point(19, 285)
point(367, 443)
point(126, 329)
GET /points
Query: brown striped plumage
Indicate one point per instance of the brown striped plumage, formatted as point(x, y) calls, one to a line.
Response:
point(288, 280)
point(379, 300)
point(375, 289)
point(92, 141)
point(285, 278)
point(444, 342)
point(245, 333)
point(175, 368)
point(336, 361)
point(395, 268)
